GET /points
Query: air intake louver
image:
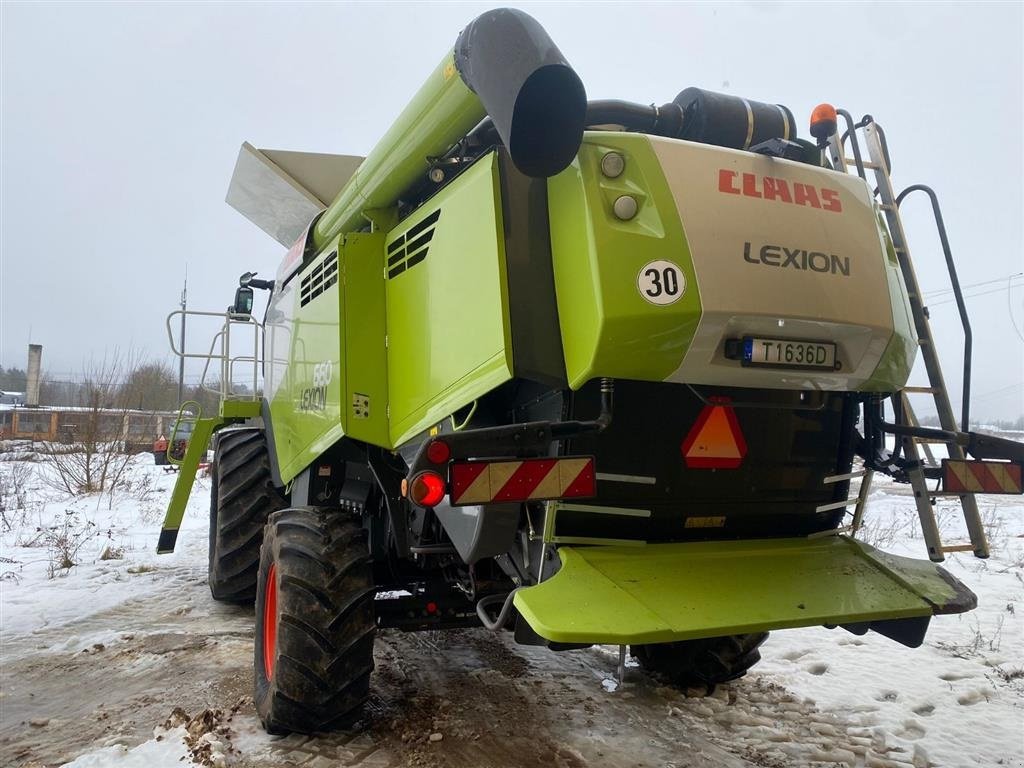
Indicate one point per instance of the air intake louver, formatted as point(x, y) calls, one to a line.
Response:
point(322, 277)
point(410, 248)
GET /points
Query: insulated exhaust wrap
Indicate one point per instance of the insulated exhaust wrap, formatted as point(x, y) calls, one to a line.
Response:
point(534, 98)
point(732, 121)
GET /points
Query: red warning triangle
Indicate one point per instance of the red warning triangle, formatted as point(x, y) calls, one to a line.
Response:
point(715, 441)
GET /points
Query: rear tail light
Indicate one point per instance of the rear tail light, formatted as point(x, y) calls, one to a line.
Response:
point(427, 489)
point(438, 452)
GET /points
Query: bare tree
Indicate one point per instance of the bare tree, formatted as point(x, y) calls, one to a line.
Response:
point(90, 457)
point(208, 401)
point(151, 387)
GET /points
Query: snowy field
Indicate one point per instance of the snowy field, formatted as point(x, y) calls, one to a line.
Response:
point(96, 657)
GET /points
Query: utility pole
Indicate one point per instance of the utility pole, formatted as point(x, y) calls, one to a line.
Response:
point(181, 344)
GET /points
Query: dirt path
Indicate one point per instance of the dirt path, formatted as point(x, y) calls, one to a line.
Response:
point(106, 653)
point(69, 688)
point(116, 674)
point(495, 704)
point(492, 702)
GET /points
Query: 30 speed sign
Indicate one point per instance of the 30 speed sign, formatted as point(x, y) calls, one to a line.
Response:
point(661, 282)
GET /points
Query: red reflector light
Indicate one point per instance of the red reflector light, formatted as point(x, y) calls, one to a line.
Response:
point(427, 489)
point(715, 441)
point(484, 482)
point(438, 452)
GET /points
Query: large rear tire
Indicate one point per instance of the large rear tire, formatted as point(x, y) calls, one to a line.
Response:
point(242, 497)
point(315, 621)
point(707, 662)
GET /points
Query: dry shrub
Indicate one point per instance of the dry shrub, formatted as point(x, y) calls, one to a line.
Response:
point(65, 539)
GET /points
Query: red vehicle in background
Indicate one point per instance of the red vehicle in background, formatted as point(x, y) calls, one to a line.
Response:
point(180, 432)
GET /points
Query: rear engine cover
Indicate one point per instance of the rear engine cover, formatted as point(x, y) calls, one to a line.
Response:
point(756, 246)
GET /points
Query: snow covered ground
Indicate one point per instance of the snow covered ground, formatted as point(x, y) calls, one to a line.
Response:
point(958, 699)
point(96, 657)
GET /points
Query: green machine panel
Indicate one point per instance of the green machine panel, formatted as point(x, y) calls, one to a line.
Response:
point(668, 592)
point(336, 382)
point(447, 308)
point(366, 363)
point(306, 408)
point(608, 326)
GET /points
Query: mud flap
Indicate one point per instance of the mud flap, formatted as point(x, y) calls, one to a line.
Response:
point(666, 592)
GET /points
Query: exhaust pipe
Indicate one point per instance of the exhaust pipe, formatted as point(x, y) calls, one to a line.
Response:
point(535, 99)
point(503, 66)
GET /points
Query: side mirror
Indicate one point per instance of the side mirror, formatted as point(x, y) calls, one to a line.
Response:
point(243, 301)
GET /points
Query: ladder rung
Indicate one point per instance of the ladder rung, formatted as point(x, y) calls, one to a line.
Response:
point(959, 548)
point(830, 532)
point(864, 163)
point(835, 505)
point(848, 476)
point(900, 249)
point(921, 390)
point(935, 440)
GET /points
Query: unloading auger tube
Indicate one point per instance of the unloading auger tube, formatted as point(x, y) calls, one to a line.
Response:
point(503, 66)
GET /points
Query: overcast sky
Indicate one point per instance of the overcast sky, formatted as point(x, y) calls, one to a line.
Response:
point(121, 123)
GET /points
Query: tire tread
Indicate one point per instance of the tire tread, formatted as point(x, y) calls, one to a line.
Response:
point(243, 497)
point(707, 661)
point(326, 624)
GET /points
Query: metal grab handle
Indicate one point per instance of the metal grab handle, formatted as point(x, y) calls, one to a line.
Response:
point(192, 419)
point(195, 313)
point(960, 305)
point(851, 132)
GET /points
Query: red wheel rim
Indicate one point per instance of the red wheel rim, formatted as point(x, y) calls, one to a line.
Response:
point(270, 622)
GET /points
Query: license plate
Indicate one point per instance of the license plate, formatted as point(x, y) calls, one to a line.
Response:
point(788, 353)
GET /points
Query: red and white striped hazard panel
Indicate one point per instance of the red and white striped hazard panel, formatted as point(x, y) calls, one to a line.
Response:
point(483, 482)
point(981, 476)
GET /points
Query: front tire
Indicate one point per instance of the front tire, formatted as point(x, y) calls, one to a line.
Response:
point(708, 661)
point(315, 621)
point(242, 497)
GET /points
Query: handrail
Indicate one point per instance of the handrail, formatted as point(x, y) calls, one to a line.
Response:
point(192, 419)
point(960, 304)
point(222, 338)
point(851, 133)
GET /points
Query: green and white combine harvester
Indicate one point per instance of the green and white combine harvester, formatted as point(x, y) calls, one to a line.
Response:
point(590, 372)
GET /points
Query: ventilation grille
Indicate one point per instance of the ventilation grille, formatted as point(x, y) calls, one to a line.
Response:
point(410, 248)
point(322, 277)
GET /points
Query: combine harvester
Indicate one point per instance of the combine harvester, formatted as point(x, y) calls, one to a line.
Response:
point(591, 372)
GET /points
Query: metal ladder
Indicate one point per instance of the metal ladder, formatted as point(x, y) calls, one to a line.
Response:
point(859, 502)
point(909, 442)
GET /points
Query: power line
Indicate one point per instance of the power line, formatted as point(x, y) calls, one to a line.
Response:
point(941, 291)
point(997, 392)
point(973, 295)
point(1009, 308)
